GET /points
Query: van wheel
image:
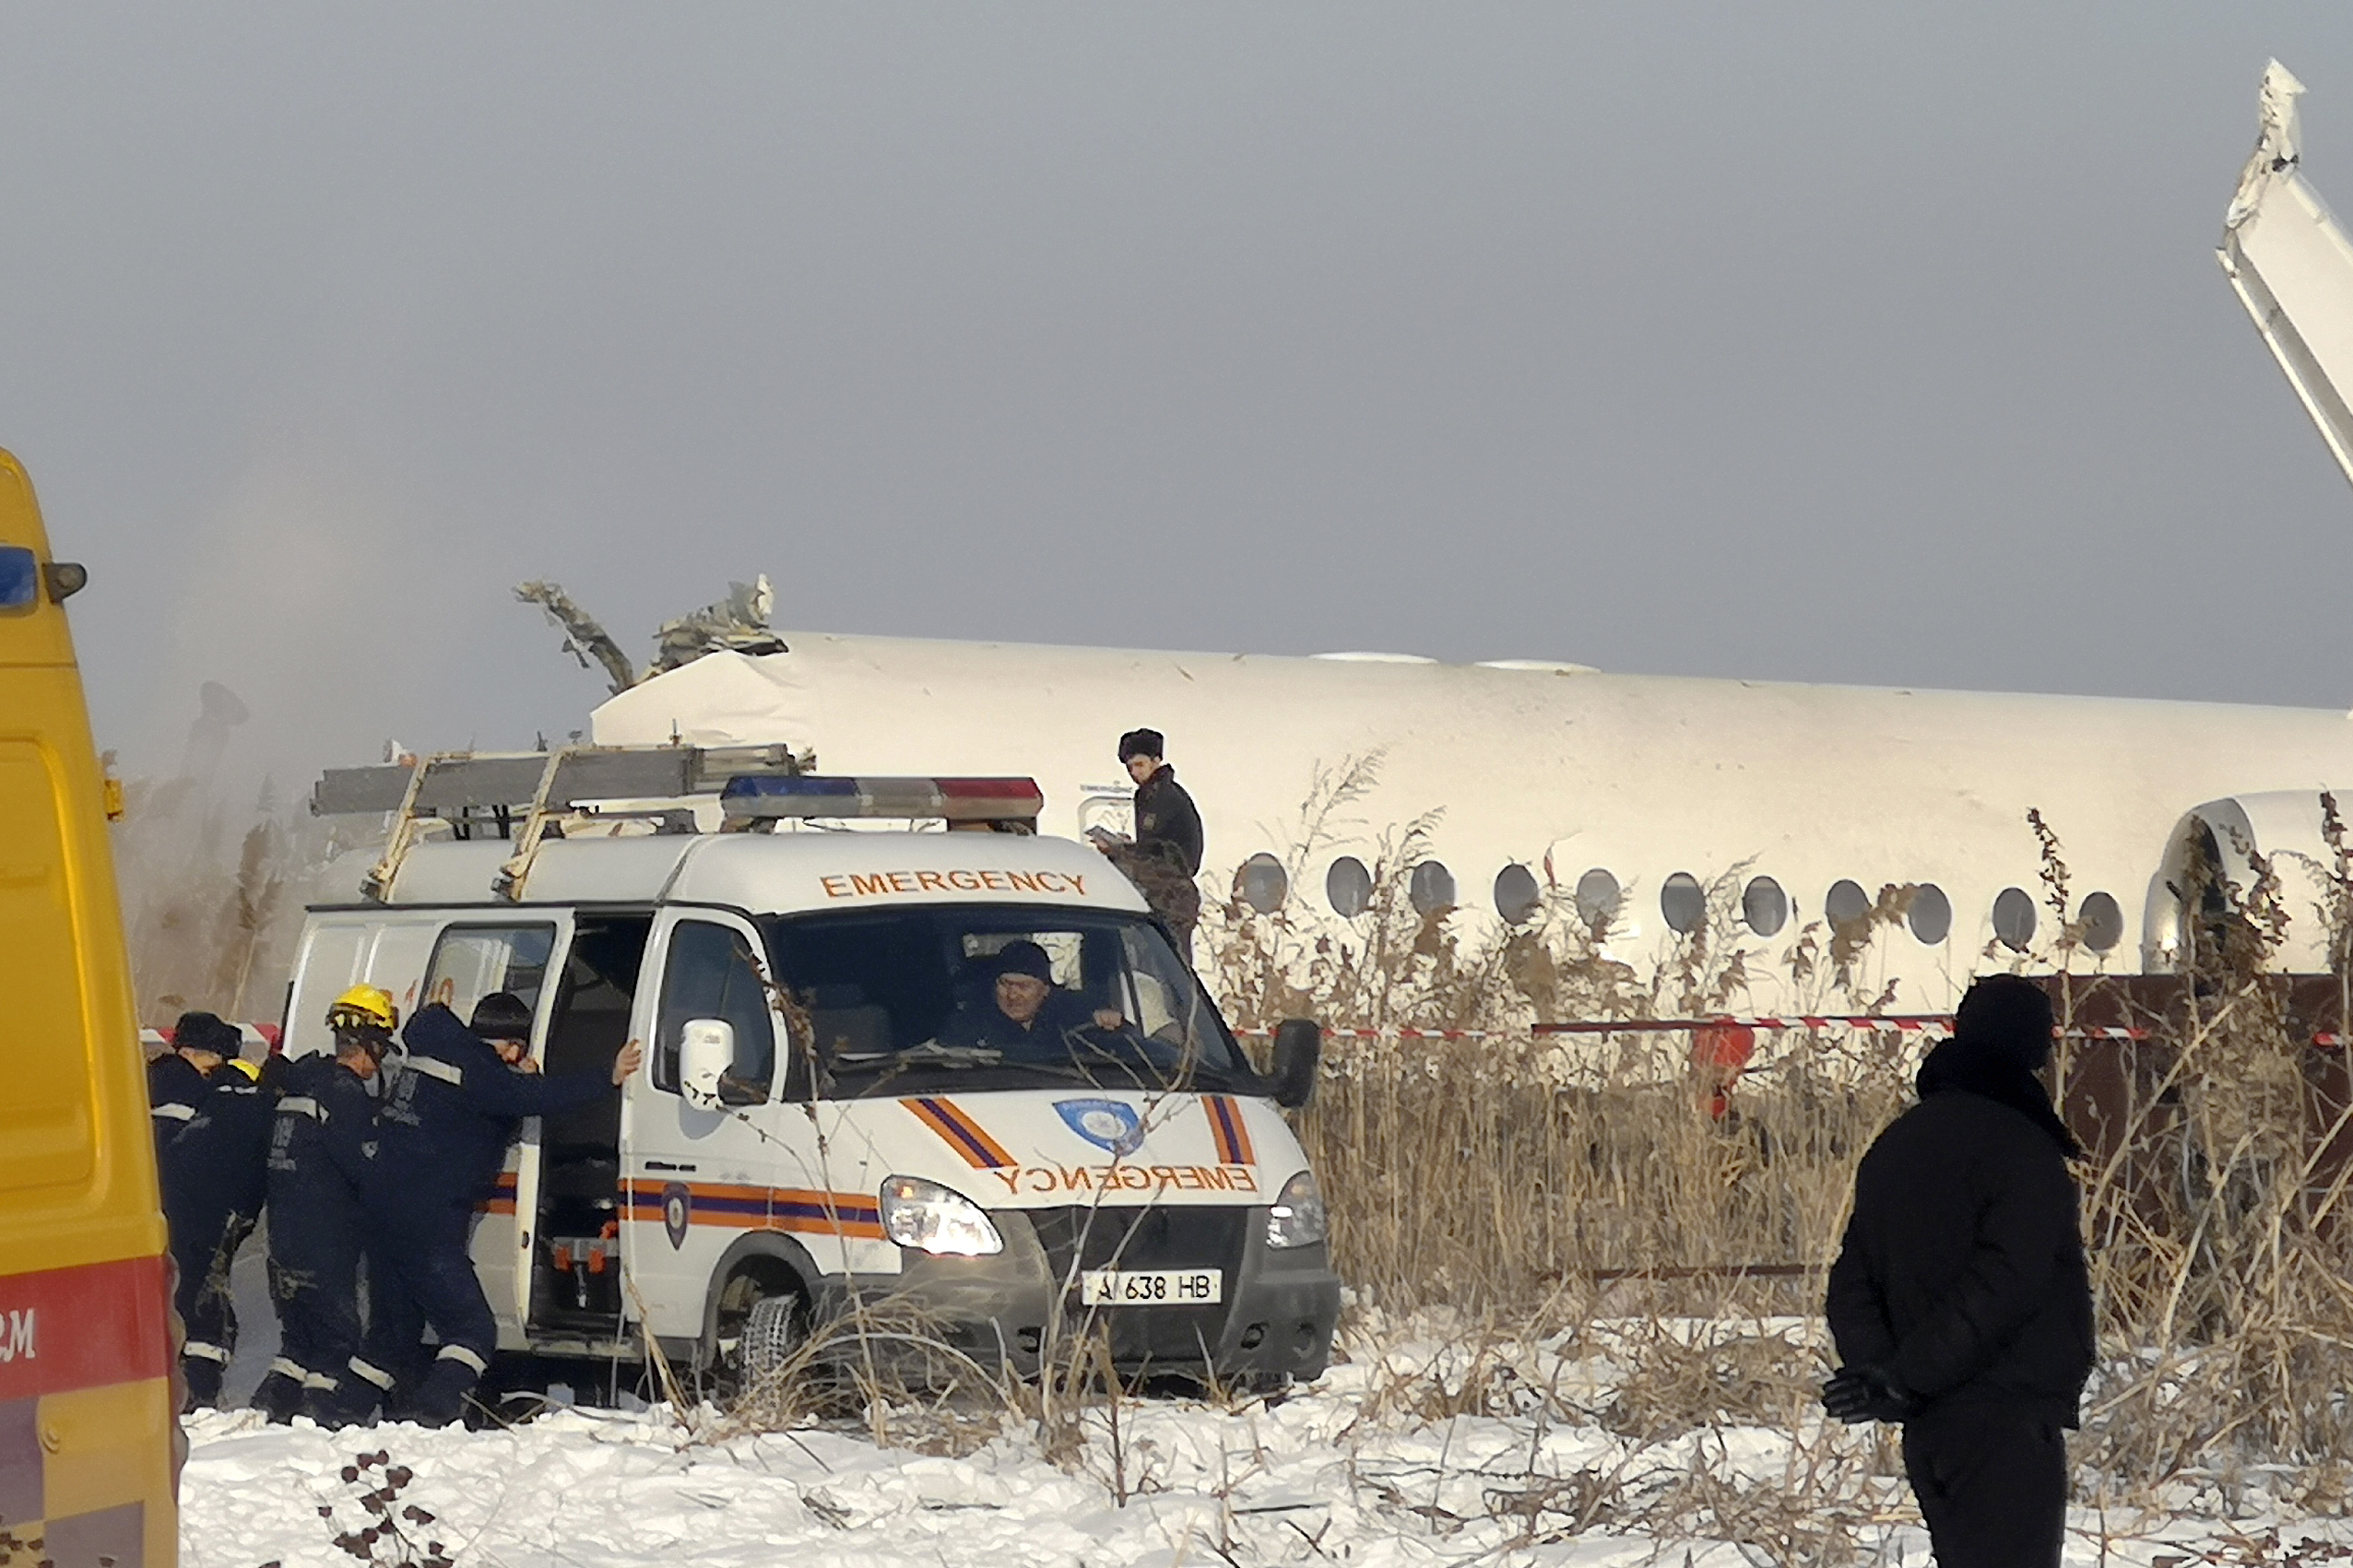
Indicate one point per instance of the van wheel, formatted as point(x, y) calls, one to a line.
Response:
point(774, 1332)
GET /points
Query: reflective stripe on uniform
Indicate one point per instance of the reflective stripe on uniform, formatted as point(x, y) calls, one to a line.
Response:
point(205, 1353)
point(433, 1066)
point(280, 1367)
point(301, 1105)
point(319, 1381)
point(176, 1112)
point(461, 1354)
point(374, 1375)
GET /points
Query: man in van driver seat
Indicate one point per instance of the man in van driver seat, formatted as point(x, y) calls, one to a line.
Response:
point(1025, 1015)
point(448, 1114)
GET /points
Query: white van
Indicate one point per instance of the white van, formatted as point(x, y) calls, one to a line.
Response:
point(806, 1131)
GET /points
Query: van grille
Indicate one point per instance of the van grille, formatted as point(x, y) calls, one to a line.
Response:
point(1155, 1237)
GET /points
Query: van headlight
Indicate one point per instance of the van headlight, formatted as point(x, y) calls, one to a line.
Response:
point(1297, 1218)
point(933, 1219)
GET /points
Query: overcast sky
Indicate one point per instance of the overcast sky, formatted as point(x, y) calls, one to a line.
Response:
point(1847, 342)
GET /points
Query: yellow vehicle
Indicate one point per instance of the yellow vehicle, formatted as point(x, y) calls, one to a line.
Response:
point(88, 1432)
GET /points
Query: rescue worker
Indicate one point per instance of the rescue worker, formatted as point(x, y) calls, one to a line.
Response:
point(1026, 1016)
point(1165, 854)
point(503, 1019)
point(451, 1108)
point(1960, 1299)
point(213, 1178)
point(176, 1077)
point(322, 1147)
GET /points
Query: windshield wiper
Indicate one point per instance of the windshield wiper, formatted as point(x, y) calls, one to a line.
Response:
point(929, 1053)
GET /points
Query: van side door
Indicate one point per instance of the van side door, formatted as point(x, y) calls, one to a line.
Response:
point(471, 958)
point(697, 1175)
point(343, 948)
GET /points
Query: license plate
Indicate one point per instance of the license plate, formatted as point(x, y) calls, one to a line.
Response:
point(1152, 1286)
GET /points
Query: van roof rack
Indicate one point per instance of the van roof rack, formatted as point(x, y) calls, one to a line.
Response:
point(756, 786)
point(491, 790)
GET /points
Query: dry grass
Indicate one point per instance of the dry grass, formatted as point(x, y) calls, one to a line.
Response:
point(1490, 1176)
point(1535, 1184)
point(212, 897)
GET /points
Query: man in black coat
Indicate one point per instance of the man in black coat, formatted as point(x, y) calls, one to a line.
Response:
point(1960, 1301)
point(1166, 854)
point(451, 1108)
point(1025, 1015)
point(176, 1079)
point(322, 1151)
point(213, 1176)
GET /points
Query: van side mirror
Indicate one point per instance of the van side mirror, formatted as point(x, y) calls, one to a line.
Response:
point(706, 1050)
point(1298, 1050)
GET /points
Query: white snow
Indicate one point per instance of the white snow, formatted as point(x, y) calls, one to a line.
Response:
point(1366, 1468)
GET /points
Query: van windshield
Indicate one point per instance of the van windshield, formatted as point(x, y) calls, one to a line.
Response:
point(1013, 995)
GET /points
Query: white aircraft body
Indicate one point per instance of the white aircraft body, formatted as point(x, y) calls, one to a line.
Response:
point(1597, 790)
point(1563, 771)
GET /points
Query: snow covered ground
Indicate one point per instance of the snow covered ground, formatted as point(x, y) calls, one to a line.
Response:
point(1371, 1465)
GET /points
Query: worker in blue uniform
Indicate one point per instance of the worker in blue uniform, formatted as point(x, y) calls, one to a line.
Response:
point(452, 1106)
point(322, 1147)
point(176, 1079)
point(214, 1179)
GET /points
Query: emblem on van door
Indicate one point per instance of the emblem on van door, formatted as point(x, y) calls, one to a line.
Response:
point(1106, 1124)
point(678, 1205)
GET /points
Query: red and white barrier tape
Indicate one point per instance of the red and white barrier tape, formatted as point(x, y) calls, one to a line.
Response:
point(265, 1035)
point(1907, 1023)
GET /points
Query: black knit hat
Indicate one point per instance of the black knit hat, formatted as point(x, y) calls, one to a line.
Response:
point(2007, 1013)
point(1026, 958)
point(1142, 743)
point(206, 1032)
point(501, 1015)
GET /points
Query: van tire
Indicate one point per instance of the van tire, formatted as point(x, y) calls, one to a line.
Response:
point(773, 1334)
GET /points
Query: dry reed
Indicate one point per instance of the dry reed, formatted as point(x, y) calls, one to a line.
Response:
point(1537, 1186)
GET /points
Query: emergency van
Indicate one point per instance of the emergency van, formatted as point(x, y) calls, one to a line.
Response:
point(87, 1433)
point(834, 1109)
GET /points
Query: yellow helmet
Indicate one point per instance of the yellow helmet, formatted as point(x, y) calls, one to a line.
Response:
point(364, 1008)
point(252, 1070)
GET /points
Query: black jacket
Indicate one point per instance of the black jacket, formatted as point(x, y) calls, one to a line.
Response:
point(451, 1107)
point(1963, 1268)
point(1043, 1038)
point(322, 1151)
point(1167, 822)
point(173, 1089)
point(213, 1164)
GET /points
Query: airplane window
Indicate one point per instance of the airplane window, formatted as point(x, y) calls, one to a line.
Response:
point(1932, 913)
point(1684, 903)
point(1431, 888)
point(2014, 919)
point(1261, 882)
point(1597, 898)
point(2103, 922)
point(1516, 894)
point(1764, 906)
point(1846, 902)
point(1348, 887)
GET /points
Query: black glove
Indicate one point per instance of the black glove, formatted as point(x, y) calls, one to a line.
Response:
point(1857, 1394)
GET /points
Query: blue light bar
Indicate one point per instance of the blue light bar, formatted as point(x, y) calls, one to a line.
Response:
point(955, 800)
point(19, 577)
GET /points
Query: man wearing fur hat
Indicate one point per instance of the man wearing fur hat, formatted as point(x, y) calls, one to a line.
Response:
point(1960, 1301)
point(1166, 854)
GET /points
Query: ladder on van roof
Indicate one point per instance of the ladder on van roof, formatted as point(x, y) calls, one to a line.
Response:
point(519, 795)
point(757, 785)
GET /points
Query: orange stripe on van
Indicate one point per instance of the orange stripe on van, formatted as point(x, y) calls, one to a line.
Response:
point(800, 1211)
point(1225, 1124)
point(968, 1137)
